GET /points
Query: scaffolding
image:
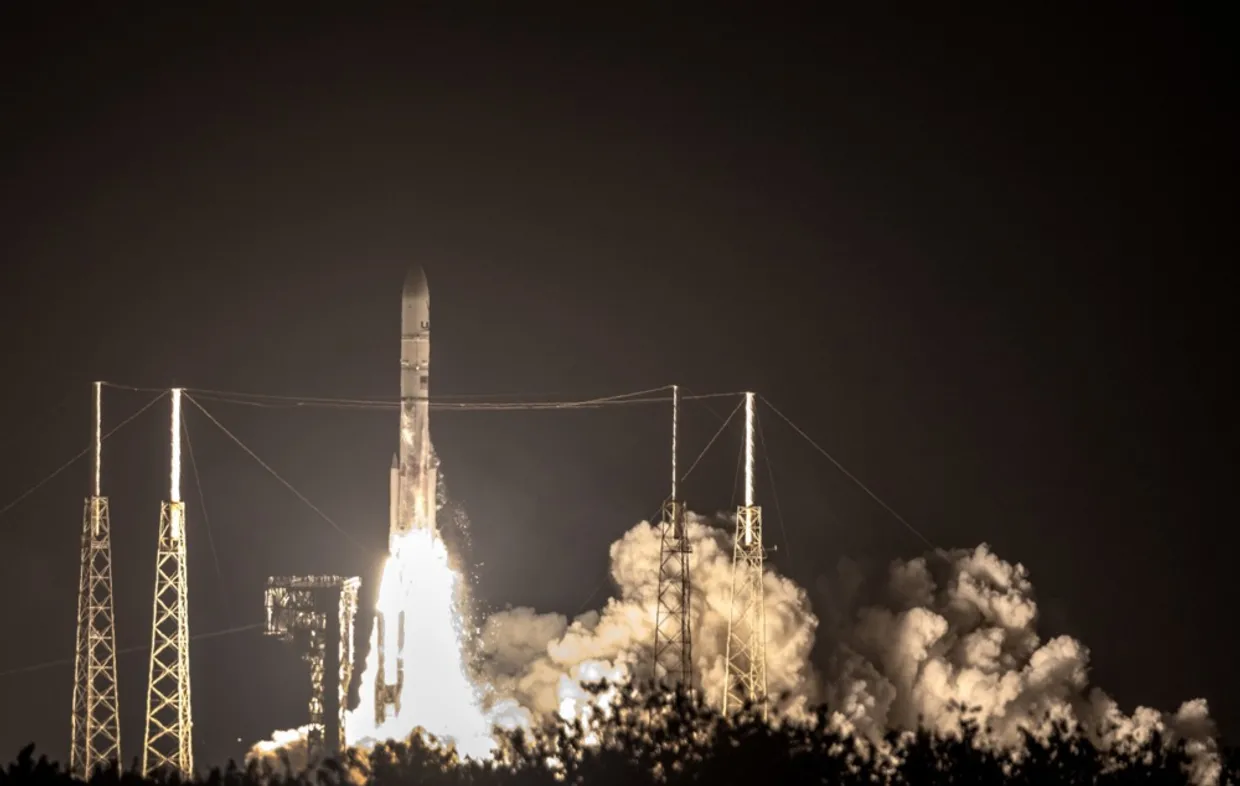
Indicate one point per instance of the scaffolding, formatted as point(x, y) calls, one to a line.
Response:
point(316, 614)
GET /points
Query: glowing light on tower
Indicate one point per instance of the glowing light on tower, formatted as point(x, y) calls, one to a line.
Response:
point(675, 432)
point(748, 463)
point(98, 437)
point(174, 474)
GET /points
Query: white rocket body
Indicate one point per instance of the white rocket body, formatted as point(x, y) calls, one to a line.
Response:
point(416, 466)
point(412, 483)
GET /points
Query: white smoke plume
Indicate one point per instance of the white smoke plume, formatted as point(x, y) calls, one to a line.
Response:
point(285, 746)
point(959, 627)
point(952, 628)
point(541, 660)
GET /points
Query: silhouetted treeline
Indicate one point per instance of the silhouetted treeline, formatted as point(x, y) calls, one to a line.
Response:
point(672, 739)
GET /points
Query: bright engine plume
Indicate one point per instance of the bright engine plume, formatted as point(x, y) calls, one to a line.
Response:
point(437, 694)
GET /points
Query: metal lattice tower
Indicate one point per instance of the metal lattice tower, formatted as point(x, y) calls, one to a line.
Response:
point(745, 676)
point(168, 743)
point(673, 640)
point(96, 714)
point(317, 613)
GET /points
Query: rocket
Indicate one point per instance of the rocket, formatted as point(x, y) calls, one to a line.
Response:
point(415, 466)
point(412, 483)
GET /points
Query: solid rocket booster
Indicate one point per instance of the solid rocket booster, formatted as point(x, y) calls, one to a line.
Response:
point(413, 479)
point(416, 466)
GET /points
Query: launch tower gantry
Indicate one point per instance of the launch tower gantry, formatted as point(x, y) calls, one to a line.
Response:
point(316, 614)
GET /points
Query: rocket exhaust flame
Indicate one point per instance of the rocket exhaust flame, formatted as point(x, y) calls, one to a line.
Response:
point(434, 693)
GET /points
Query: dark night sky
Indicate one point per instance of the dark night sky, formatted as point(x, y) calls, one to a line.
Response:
point(975, 258)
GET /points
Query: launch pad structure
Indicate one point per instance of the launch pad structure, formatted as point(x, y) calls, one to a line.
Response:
point(316, 614)
point(96, 723)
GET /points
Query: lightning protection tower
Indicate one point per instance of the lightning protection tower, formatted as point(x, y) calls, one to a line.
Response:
point(673, 642)
point(169, 721)
point(96, 721)
point(745, 676)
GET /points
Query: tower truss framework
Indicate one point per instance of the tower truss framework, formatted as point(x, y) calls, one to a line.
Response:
point(168, 742)
point(96, 711)
point(745, 675)
point(673, 639)
point(96, 735)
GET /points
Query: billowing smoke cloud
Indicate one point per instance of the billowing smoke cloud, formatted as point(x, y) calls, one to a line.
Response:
point(904, 650)
point(541, 659)
point(958, 628)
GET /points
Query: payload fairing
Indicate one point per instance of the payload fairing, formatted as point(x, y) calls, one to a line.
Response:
point(414, 470)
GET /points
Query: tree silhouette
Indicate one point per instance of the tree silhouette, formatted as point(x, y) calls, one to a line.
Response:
point(670, 738)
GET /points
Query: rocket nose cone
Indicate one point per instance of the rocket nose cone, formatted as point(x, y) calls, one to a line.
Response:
point(415, 282)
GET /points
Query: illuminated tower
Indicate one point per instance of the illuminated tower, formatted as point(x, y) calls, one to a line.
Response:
point(745, 677)
point(169, 721)
point(673, 643)
point(96, 723)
